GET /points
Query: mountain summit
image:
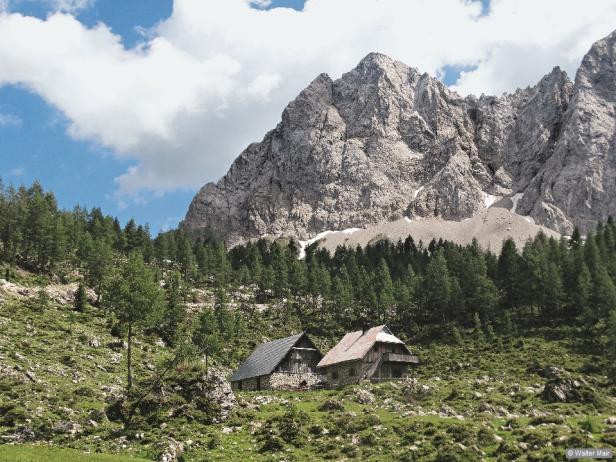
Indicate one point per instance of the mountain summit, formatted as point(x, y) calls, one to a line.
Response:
point(386, 141)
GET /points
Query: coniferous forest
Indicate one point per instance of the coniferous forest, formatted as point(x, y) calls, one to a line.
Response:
point(417, 288)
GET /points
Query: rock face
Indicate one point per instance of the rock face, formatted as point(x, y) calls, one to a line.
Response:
point(386, 141)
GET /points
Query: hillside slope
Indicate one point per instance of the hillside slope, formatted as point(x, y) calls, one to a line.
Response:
point(490, 227)
point(59, 374)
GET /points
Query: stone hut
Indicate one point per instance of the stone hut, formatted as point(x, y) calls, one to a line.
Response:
point(284, 364)
point(374, 354)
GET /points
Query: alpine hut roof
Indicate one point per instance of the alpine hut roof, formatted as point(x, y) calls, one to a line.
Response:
point(355, 345)
point(266, 357)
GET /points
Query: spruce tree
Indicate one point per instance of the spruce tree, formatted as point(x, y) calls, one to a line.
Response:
point(81, 298)
point(386, 299)
point(477, 328)
point(437, 289)
point(507, 274)
point(611, 345)
point(174, 313)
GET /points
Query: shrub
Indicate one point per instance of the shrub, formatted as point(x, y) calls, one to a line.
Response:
point(85, 391)
point(450, 453)
point(485, 436)
point(331, 405)
point(548, 419)
point(12, 415)
point(368, 438)
point(508, 451)
point(214, 441)
point(461, 433)
point(289, 427)
point(590, 425)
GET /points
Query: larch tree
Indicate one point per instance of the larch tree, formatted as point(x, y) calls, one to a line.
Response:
point(136, 299)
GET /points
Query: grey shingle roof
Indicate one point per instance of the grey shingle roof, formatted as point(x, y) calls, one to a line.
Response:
point(265, 358)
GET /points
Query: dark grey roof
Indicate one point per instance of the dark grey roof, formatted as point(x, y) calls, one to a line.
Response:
point(265, 358)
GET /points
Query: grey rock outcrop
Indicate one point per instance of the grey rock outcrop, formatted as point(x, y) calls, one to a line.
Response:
point(386, 141)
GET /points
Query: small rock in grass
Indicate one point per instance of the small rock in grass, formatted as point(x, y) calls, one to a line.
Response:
point(67, 427)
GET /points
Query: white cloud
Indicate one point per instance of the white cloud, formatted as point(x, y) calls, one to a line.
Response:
point(261, 3)
point(71, 6)
point(10, 120)
point(62, 6)
point(216, 75)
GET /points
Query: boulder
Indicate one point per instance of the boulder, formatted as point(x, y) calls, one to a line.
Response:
point(172, 450)
point(218, 390)
point(411, 386)
point(552, 372)
point(364, 396)
point(67, 427)
point(567, 390)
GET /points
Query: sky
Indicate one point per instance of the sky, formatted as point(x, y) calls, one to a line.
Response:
point(133, 105)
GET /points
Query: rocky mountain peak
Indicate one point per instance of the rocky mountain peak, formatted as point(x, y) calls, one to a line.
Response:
point(385, 141)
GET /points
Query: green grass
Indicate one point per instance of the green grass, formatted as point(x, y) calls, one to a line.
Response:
point(51, 454)
point(74, 380)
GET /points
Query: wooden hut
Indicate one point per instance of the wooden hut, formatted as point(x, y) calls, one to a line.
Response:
point(287, 363)
point(374, 354)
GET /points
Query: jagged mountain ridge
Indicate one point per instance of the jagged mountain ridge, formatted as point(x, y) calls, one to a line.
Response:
point(386, 141)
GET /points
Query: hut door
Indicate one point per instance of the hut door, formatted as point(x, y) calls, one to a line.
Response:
point(258, 383)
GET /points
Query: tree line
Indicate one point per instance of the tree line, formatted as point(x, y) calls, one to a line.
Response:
point(417, 288)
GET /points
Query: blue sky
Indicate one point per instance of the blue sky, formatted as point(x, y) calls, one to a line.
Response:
point(35, 146)
point(151, 133)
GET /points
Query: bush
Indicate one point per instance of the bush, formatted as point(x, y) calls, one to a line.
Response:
point(331, 405)
point(449, 453)
point(368, 438)
point(508, 451)
point(590, 425)
point(214, 441)
point(85, 392)
point(461, 434)
point(12, 415)
point(548, 419)
point(485, 436)
point(271, 443)
point(289, 427)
